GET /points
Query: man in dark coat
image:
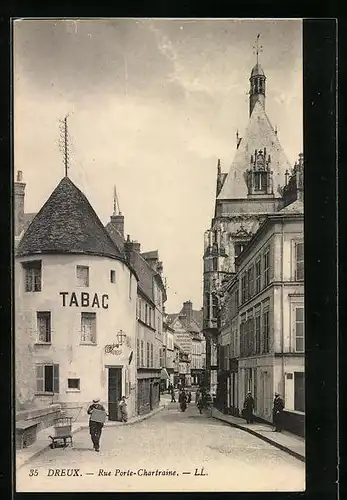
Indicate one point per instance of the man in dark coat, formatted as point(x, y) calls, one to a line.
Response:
point(95, 428)
point(277, 410)
point(248, 408)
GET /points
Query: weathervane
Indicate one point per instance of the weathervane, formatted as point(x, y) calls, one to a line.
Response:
point(257, 48)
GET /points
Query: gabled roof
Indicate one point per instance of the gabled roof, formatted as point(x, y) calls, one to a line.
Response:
point(67, 223)
point(259, 134)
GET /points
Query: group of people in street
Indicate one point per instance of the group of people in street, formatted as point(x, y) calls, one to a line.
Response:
point(277, 411)
point(98, 418)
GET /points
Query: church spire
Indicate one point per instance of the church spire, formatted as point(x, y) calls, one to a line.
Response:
point(257, 80)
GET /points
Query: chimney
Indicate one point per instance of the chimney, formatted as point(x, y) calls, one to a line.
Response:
point(188, 311)
point(118, 222)
point(136, 246)
point(19, 193)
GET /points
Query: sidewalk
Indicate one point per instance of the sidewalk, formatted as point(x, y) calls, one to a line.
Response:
point(43, 441)
point(294, 445)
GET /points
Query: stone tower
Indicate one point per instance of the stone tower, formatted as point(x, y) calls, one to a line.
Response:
point(245, 195)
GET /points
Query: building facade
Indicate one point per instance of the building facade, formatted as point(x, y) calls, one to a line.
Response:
point(251, 190)
point(75, 310)
point(151, 296)
point(261, 341)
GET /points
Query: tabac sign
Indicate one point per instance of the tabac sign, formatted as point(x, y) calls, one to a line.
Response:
point(84, 299)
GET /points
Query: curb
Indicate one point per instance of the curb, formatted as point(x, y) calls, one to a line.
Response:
point(85, 426)
point(264, 438)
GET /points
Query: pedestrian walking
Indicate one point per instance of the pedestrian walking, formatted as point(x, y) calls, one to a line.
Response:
point(96, 422)
point(277, 412)
point(123, 409)
point(248, 408)
point(189, 397)
point(173, 400)
point(182, 399)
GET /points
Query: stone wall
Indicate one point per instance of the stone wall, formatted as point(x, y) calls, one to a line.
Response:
point(44, 417)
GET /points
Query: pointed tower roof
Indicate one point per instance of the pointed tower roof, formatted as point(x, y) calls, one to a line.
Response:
point(67, 223)
point(257, 71)
point(259, 134)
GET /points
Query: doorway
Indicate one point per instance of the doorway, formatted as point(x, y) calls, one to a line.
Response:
point(114, 393)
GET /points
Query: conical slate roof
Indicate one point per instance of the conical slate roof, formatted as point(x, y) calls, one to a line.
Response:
point(259, 134)
point(67, 223)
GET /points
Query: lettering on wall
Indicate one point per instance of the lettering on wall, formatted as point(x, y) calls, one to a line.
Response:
point(84, 299)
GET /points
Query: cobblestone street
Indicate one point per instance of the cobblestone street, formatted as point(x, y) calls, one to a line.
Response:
point(184, 443)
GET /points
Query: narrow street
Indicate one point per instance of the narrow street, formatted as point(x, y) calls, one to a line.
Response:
point(184, 443)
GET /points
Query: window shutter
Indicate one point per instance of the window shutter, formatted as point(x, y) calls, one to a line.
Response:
point(56, 379)
point(126, 382)
point(40, 378)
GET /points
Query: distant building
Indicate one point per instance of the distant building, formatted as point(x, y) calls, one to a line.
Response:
point(187, 326)
point(75, 308)
point(167, 375)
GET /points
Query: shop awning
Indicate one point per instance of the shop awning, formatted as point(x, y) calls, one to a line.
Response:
point(164, 374)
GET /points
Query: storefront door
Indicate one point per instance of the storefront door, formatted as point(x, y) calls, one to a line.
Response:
point(114, 392)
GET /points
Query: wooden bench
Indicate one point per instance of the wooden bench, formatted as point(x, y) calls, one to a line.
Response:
point(25, 433)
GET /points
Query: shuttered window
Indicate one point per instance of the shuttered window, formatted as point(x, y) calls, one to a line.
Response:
point(47, 378)
point(32, 271)
point(299, 261)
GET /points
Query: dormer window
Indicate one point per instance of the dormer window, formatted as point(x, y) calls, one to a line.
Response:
point(260, 179)
point(259, 175)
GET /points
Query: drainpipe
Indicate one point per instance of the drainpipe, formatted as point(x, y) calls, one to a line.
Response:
point(282, 306)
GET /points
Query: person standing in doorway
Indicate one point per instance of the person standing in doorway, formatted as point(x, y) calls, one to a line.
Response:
point(96, 422)
point(248, 408)
point(277, 412)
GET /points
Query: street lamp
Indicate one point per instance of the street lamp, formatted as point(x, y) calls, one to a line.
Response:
point(120, 337)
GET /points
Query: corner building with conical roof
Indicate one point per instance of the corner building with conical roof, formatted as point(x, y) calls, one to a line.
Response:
point(75, 312)
point(245, 196)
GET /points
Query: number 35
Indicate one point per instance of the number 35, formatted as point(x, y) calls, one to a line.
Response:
point(33, 472)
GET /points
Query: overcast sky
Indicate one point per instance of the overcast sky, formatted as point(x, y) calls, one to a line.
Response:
point(153, 104)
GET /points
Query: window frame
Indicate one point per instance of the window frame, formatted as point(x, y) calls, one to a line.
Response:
point(32, 268)
point(112, 276)
point(301, 261)
point(74, 389)
point(55, 378)
point(295, 322)
point(78, 278)
point(49, 316)
point(91, 315)
point(266, 270)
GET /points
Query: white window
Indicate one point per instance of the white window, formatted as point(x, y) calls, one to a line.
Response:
point(47, 378)
point(113, 276)
point(299, 329)
point(43, 326)
point(299, 261)
point(32, 276)
point(82, 275)
point(88, 328)
point(73, 383)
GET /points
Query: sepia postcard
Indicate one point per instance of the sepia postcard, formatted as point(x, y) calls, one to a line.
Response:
point(158, 185)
